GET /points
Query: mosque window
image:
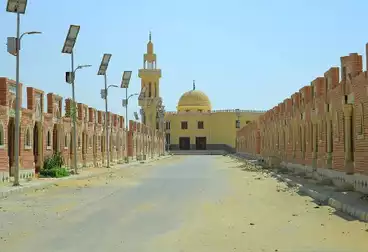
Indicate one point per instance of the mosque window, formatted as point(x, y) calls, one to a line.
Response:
point(184, 125)
point(200, 125)
point(168, 125)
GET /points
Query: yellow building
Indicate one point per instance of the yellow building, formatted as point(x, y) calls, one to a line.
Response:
point(150, 100)
point(195, 126)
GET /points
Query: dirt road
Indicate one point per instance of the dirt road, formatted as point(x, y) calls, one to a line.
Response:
point(191, 204)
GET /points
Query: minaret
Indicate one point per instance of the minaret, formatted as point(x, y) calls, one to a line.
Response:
point(150, 81)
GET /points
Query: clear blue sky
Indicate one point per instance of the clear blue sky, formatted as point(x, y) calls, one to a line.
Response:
point(243, 54)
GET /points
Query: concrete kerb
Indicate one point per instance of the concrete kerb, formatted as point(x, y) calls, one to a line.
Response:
point(327, 200)
point(45, 184)
point(349, 209)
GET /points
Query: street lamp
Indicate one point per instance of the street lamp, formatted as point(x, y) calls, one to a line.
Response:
point(102, 71)
point(125, 84)
point(125, 105)
point(18, 7)
point(68, 47)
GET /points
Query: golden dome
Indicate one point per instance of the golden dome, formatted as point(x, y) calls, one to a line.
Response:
point(194, 100)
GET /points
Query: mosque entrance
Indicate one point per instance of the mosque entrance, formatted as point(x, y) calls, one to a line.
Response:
point(201, 143)
point(184, 143)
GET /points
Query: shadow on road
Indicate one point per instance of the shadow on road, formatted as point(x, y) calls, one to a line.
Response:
point(300, 184)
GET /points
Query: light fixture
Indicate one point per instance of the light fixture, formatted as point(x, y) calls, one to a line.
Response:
point(126, 79)
point(71, 38)
point(104, 64)
point(16, 6)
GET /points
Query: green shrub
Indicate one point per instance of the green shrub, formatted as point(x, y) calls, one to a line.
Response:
point(53, 167)
point(56, 160)
point(56, 172)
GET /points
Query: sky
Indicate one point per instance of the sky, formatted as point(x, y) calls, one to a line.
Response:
point(242, 54)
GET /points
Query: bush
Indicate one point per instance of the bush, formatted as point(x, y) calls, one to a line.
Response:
point(56, 160)
point(53, 167)
point(56, 172)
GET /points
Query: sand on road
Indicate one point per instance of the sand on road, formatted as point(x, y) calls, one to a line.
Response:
point(184, 204)
point(262, 214)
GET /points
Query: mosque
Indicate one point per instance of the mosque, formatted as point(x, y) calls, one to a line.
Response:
point(194, 126)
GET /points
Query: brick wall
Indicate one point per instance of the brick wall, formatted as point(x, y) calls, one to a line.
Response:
point(324, 125)
point(55, 131)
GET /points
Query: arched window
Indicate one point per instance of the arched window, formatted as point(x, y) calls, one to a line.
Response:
point(1, 134)
point(27, 138)
point(48, 139)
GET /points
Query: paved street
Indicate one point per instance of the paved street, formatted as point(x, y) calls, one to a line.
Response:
point(187, 203)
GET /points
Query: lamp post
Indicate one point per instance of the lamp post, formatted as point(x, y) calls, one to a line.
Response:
point(68, 48)
point(18, 7)
point(125, 104)
point(125, 84)
point(102, 71)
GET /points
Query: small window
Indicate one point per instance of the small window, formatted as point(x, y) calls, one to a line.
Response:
point(168, 125)
point(48, 139)
point(200, 110)
point(28, 138)
point(157, 125)
point(184, 125)
point(200, 125)
point(237, 124)
point(247, 122)
point(90, 142)
point(79, 141)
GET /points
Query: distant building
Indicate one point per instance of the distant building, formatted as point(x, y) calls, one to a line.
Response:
point(195, 126)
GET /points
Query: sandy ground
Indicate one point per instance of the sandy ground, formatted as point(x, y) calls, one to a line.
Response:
point(196, 204)
point(261, 214)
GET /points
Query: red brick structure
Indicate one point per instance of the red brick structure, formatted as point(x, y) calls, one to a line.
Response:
point(322, 129)
point(44, 133)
